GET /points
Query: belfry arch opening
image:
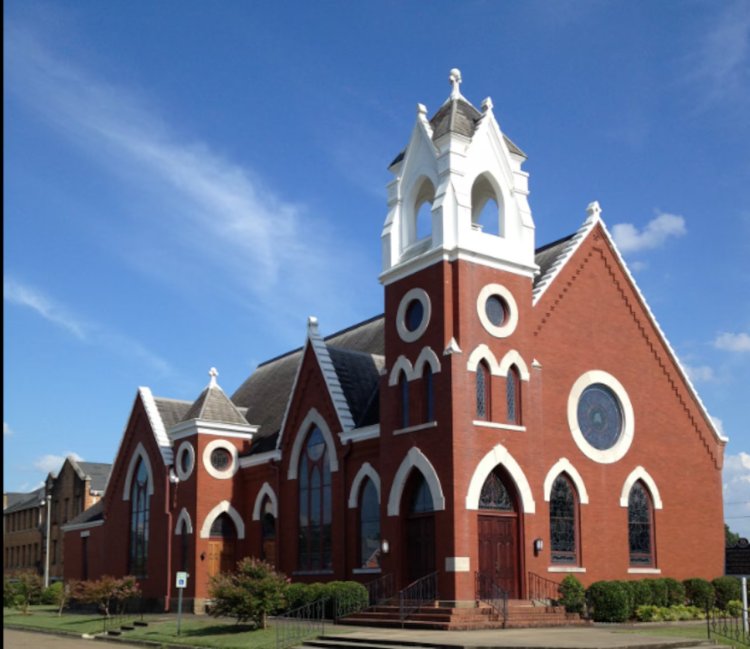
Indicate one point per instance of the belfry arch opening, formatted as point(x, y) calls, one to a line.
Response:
point(423, 200)
point(486, 207)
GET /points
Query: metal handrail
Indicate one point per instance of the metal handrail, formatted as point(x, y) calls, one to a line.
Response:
point(380, 590)
point(488, 591)
point(734, 629)
point(300, 623)
point(543, 589)
point(417, 594)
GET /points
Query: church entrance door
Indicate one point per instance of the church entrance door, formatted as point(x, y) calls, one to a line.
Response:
point(222, 538)
point(419, 530)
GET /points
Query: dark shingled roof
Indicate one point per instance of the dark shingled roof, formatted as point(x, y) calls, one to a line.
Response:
point(172, 411)
point(90, 515)
point(214, 405)
point(359, 375)
point(547, 255)
point(98, 472)
point(20, 501)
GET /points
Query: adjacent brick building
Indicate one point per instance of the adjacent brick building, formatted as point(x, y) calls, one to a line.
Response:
point(515, 411)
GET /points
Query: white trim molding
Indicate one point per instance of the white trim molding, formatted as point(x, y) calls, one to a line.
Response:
point(404, 365)
point(224, 507)
point(429, 357)
point(566, 569)
point(500, 456)
point(260, 458)
point(512, 357)
point(480, 353)
point(639, 473)
point(415, 459)
point(366, 471)
point(621, 446)
point(563, 465)
point(360, 434)
point(185, 447)
point(139, 453)
point(233, 464)
point(183, 523)
point(413, 294)
point(457, 564)
point(313, 418)
point(644, 571)
point(265, 490)
point(511, 320)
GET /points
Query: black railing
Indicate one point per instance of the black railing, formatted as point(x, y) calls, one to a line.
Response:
point(417, 594)
point(295, 626)
point(724, 625)
point(543, 589)
point(380, 590)
point(487, 591)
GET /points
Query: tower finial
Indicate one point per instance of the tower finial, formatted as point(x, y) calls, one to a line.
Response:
point(455, 79)
point(213, 373)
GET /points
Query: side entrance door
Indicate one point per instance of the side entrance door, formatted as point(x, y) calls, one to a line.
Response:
point(498, 552)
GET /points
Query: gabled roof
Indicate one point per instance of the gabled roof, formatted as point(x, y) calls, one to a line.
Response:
point(214, 405)
point(21, 501)
point(98, 472)
point(91, 515)
point(172, 411)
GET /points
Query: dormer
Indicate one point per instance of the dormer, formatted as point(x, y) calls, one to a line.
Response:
point(459, 192)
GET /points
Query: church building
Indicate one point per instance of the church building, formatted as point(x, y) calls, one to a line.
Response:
point(515, 412)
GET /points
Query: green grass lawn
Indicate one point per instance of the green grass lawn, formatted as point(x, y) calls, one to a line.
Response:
point(692, 630)
point(195, 631)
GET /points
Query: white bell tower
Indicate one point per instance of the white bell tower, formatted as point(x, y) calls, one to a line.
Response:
point(457, 163)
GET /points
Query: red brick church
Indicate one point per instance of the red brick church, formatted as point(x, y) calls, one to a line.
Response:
point(515, 411)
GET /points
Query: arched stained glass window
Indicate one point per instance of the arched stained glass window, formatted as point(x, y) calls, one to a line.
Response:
point(421, 501)
point(640, 526)
point(563, 506)
point(369, 526)
point(315, 504)
point(139, 513)
point(223, 527)
point(403, 382)
point(513, 395)
point(429, 396)
point(495, 495)
point(483, 391)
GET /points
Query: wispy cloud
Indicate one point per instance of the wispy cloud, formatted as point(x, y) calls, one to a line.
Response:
point(212, 213)
point(15, 292)
point(7, 430)
point(700, 374)
point(733, 342)
point(51, 463)
point(656, 232)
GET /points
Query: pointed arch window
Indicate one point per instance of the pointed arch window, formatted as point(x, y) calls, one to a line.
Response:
point(403, 384)
point(268, 532)
point(315, 504)
point(223, 527)
point(139, 515)
point(563, 521)
point(640, 526)
point(369, 526)
point(495, 495)
point(513, 396)
point(429, 395)
point(483, 391)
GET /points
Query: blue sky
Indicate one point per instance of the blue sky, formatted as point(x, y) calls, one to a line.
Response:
point(185, 182)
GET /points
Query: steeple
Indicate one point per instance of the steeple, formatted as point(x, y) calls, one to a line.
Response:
point(456, 164)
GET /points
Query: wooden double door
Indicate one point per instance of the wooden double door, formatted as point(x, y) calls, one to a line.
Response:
point(220, 556)
point(499, 552)
point(420, 547)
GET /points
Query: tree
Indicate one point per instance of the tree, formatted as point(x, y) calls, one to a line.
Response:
point(731, 537)
point(106, 591)
point(252, 592)
point(21, 589)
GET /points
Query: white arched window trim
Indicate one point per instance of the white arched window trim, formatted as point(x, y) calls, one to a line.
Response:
point(265, 490)
point(415, 459)
point(224, 507)
point(426, 357)
point(639, 473)
point(480, 353)
point(313, 418)
point(423, 174)
point(183, 524)
point(365, 471)
point(563, 465)
point(514, 358)
point(139, 453)
point(500, 455)
point(402, 364)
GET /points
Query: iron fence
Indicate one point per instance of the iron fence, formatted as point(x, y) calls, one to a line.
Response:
point(486, 590)
point(300, 623)
point(380, 590)
point(417, 594)
point(722, 624)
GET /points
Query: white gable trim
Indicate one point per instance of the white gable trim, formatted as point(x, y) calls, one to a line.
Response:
point(514, 358)
point(157, 425)
point(415, 459)
point(639, 473)
point(365, 471)
point(223, 507)
point(500, 456)
point(313, 418)
point(563, 465)
point(139, 453)
point(183, 522)
point(482, 352)
point(265, 490)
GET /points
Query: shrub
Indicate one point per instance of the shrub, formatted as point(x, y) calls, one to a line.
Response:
point(609, 600)
point(734, 608)
point(572, 594)
point(726, 589)
point(22, 589)
point(51, 594)
point(251, 593)
point(699, 592)
point(630, 593)
point(642, 594)
point(675, 591)
point(648, 613)
point(296, 595)
point(345, 597)
point(659, 592)
point(107, 593)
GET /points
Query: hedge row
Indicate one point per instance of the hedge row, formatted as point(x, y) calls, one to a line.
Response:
point(351, 593)
point(619, 601)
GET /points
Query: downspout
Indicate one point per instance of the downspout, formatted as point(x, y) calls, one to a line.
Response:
point(170, 478)
point(344, 457)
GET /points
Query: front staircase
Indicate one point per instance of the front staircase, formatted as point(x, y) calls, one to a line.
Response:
point(444, 616)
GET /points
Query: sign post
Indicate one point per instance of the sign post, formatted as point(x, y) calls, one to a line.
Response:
point(181, 583)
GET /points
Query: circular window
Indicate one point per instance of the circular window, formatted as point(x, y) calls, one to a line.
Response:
point(185, 460)
point(220, 459)
point(497, 310)
point(413, 315)
point(600, 416)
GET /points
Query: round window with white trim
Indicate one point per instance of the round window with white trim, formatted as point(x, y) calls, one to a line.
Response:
point(413, 315)
point(220, 459)
point(497, 310)
point(600, 416)
point(185, 460)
